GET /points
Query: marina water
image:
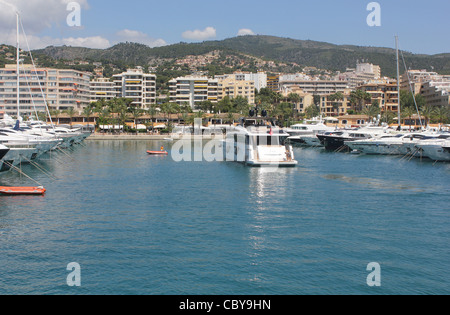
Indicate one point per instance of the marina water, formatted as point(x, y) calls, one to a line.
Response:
point(139, 224)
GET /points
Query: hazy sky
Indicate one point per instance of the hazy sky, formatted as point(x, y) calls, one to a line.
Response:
point(422, 26)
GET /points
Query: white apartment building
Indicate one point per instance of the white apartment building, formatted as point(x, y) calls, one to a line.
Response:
point(294, 77)
point(136, 85)
point(193, 90)
point(259, 79)
point(370, 69)
point(316, 87)
point(436, 93)
point(363, 74)
point(60, 89)
point(435, 88)
point(103, 89)
point(413, 79)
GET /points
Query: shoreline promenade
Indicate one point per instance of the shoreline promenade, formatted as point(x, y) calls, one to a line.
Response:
point(143, 137)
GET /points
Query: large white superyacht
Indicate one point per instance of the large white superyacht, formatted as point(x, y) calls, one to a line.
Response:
point(258, 142)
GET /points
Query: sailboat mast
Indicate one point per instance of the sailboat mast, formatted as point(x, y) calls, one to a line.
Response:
point(18, 68)
point(398, 82)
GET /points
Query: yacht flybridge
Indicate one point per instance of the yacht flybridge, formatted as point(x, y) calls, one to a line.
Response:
point(258, 142)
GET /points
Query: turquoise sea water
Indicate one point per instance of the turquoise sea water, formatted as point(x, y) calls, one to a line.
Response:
point(139, 224)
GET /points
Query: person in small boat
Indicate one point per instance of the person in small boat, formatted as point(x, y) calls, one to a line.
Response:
point(162, 149)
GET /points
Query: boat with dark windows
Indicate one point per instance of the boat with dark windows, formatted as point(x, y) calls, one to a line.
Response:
point(338, 140)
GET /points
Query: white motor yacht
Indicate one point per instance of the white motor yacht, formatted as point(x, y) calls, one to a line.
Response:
point(43, 143)
point(436, 149)
point(307, 129)
point(19, 152)
point(306, 134)
point(339, 140)
point(401, 144)
point(257, 143)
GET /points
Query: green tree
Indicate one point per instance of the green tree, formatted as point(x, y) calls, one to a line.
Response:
point(55, 113)
point(88, 111)
point(312, 111)
point(225, 105)
point(441, 114)
point(136, 113)
point(336, 100)
point(283, 112)
point(152, 112)
point(206, 106)
point(71, 113)
point(427, 113)
point(408, 113)
point(294, 98)
point(104, 116)
point(359, 99)
point(388, 117)
point(408, 100)
point(240, 104)
point(372, 111)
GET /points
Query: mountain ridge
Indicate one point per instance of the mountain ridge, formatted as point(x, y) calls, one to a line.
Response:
point(306, 53)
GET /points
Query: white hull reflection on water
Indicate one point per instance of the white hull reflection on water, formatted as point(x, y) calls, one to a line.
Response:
point(140, 224)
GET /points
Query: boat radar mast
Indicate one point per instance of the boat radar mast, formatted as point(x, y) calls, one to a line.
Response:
point(18, 67)
point(398, 84)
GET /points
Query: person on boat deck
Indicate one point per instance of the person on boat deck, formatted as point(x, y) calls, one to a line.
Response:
point(162, 148)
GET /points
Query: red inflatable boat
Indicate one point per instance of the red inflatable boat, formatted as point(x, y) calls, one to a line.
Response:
point(158, 152)
point(15, 191)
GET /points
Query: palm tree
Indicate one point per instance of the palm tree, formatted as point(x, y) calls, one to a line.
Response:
point(389, 117)
point(407, 113)
point(277, 97)
point(42, 116)
point(55, 113)
point(70, 112)
point(230, 118)
point(87, 112)
point(312, 111)
point(122, 115)
point(359, 98)
point(427, 113)
point(136, 113)
point(442, 114)
point(336, 99)
point(372, 111)
point(103, 117)
point(294, 98)
point(240, 104)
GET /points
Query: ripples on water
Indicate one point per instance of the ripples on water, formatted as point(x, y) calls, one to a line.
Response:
point(147, 225)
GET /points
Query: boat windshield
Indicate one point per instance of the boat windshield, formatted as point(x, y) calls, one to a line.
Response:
point(266, 140)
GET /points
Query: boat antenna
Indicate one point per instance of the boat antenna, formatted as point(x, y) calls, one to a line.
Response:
point(412, 91)
point(398, 84)
point(18, 68)
point(39, 81)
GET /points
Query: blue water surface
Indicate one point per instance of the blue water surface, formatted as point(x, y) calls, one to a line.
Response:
point(140, 224)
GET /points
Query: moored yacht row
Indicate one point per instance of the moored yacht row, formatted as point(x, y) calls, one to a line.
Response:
point(376, 140)
point(26, 142)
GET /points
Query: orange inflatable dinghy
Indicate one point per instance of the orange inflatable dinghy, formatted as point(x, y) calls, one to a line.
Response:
point(22, 190)
point(157, 152)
